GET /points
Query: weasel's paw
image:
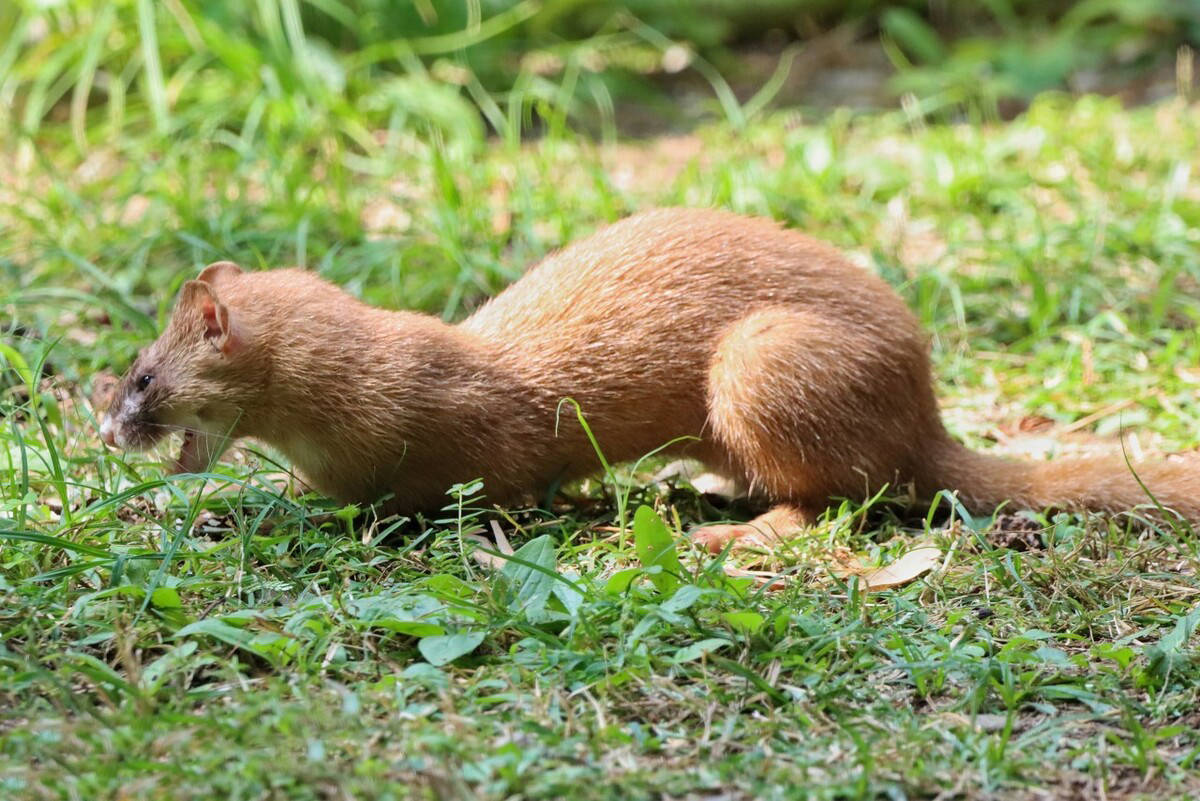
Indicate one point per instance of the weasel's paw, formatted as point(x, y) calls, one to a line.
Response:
point(737, 535)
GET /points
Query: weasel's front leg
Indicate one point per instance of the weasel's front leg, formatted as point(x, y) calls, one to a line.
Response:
point(200, 451)
point(763, 531)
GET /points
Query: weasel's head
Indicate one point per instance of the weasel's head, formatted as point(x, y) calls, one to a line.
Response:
point(191, 379)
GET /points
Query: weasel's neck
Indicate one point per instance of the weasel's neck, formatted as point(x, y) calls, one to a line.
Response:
point(402, 400)
point(380, 368)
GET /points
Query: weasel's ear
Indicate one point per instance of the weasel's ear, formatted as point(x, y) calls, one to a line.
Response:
point(210, 274)
point(220, 329)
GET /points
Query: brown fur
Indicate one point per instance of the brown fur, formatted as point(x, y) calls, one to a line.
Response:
point(796, 371)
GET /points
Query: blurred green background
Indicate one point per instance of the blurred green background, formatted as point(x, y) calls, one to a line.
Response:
point(459, 67)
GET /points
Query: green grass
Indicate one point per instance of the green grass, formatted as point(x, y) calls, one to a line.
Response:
point(167, 639)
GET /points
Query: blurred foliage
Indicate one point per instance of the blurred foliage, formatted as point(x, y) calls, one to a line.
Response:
point(1026, 48)
point(515, 65)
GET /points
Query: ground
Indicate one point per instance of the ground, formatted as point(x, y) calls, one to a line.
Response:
point(179, 639)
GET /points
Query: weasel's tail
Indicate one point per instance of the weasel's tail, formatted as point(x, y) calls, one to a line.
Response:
point(1104, 485)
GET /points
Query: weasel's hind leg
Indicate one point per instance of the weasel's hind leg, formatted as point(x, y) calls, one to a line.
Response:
point(809, 407)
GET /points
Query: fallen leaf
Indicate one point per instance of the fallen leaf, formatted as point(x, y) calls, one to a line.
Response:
point(770, 581)
point(488, 560)
point(502, 544)
point(1028, 423)
point(913, 564)
point(846, 563)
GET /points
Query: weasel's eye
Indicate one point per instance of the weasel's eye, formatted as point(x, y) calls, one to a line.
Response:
point(144, 382)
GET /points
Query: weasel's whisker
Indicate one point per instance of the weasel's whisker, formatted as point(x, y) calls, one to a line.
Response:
point(170, 427)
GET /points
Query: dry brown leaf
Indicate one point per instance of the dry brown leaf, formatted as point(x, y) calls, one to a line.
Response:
point(502, 543)
point(846, 563)
point(488, 560)
point(913, 564)
point(1031, 422)
point(770, 581)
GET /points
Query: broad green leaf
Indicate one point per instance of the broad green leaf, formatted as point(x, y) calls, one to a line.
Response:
point(414, 615)
point(100, 671)
point(690, 653)
point(443, 650)
point(530, 572)
point(154, 674)
point(412, 628)
point(1121, 654)
point(1075, 693)
point(567, 594)
point(656, 547)
point(1170, 652)
point(166, 598)
point(448, 586)
point(426, 675)
point(270, 645)
point(745, 622)
point(683, 598)
point(1048, 654)
point(618, 583)
point(232, 635)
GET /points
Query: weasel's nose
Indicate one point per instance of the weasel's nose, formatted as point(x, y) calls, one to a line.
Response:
point(108, 433)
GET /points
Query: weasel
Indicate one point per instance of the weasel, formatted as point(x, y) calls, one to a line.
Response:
point(767, 354)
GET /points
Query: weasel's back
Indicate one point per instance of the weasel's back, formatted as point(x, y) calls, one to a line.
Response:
point(677, 274)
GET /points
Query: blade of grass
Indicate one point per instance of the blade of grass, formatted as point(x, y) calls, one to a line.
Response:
point(155, 86)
